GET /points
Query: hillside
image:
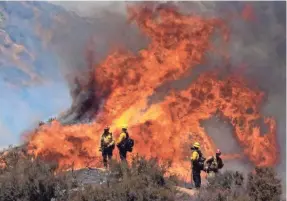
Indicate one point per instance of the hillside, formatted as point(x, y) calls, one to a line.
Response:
point(25, 178)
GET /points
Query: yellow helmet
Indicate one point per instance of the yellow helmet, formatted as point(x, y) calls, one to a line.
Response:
point(196, 144)
point(124, 127)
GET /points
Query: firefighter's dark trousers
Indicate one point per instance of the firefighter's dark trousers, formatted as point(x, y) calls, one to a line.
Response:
point(123, 154)
point(196, 178)
point(107, 154)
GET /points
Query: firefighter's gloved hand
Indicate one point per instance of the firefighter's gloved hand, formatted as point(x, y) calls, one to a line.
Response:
point(111, 144)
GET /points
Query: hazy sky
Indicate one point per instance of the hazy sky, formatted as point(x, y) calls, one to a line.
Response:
point(31, 85)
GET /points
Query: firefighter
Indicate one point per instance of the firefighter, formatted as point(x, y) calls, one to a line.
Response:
point(214, 164)
point(121, 143)
point(107, 145)
point(197, 161)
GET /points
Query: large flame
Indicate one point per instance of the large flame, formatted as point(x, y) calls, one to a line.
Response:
point(166, 129)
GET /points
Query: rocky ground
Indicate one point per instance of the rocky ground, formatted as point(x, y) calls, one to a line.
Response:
point(91, 176)
point(98, 176)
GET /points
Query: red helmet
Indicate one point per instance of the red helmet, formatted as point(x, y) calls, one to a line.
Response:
point(218, 152)
point(107, 128)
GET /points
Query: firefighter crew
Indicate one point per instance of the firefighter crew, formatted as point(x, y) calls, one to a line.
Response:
point(197, 161)
point(121, 143)
point(214, 164)
point(107, 145)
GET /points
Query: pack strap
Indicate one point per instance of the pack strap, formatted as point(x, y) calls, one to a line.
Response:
point(127, 135)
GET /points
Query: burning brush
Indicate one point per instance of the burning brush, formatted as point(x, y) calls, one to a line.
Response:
point(121, 85)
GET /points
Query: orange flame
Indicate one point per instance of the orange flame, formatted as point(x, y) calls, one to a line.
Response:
point(166, 129)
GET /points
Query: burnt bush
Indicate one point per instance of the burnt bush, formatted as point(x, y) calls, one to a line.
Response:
point(144, 180)
point(23, 178)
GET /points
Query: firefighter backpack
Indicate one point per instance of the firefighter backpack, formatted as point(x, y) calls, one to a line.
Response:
point(129, 143)
point(201, 160)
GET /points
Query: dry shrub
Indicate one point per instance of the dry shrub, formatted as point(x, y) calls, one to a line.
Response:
point(25, 179)
point(224, 187)
point(227, 180)
point(143, 181)
point(261, 186)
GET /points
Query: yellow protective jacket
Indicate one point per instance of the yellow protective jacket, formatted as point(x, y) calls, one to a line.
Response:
point(194, 156)
point(195, 159)
point(121, 138)
point(107, 140)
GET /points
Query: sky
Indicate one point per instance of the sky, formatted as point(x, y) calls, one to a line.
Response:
point(31, 84)
point(36, 55)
